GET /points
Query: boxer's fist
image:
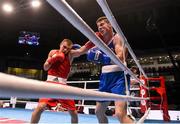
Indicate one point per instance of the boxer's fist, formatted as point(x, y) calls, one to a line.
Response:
point(76, 46)
point(56, 57)
point(98, 34)
point(97, 56)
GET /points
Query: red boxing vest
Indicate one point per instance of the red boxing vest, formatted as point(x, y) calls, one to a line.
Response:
point(60, 69)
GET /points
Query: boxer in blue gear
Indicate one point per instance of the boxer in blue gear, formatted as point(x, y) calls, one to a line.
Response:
point(112, 78)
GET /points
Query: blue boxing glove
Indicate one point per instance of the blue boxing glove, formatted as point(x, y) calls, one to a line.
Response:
point(97, 56)
point(76, 46)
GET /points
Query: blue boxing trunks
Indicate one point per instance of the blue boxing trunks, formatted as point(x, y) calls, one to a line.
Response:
point(112, 80)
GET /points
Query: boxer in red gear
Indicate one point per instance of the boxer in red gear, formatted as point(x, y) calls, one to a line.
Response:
point(58, 65)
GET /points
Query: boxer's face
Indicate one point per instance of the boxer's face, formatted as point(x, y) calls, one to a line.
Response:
point(104, 27)
point(65, 47)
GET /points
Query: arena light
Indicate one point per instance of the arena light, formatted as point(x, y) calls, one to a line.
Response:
point(35, 3)
point(7, 7)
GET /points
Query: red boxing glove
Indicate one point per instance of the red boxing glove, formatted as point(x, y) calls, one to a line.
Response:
point(99, 35)
point(56, 57)
point(89, 44)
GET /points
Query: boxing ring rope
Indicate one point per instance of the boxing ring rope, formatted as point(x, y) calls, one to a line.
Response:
point(14, 100)
point(71, 82)
point(67, 11)
point(29, 88)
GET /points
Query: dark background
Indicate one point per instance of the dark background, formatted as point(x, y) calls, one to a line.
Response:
point(135, 17)
point(152, 27)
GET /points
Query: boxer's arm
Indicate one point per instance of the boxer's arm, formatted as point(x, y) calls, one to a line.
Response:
point(82, 50)
point(118, 44)
point(46, 65)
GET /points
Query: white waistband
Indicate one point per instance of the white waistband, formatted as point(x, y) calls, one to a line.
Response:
point(56, 79)
point(111, 68)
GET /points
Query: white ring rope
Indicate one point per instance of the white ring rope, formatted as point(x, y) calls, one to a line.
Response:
point(67, 11)
point(11, 85)
point(104, 6)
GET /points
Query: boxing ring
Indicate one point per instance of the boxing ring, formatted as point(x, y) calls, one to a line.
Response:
point(11, 85)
